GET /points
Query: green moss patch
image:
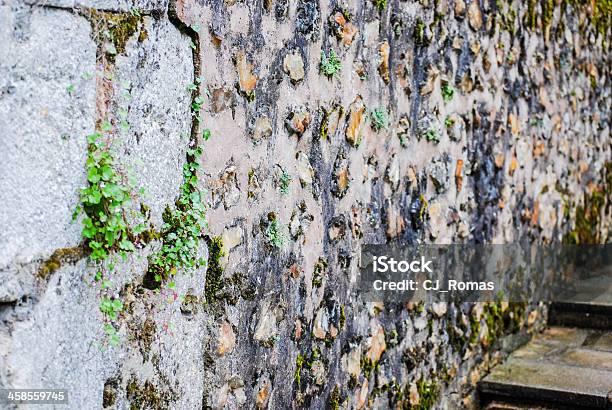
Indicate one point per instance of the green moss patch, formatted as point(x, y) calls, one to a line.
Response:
point(58, 258)
point(115, 29)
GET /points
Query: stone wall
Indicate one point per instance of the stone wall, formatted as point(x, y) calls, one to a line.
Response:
point(324, 126)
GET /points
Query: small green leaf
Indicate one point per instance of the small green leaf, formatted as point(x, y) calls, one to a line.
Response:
point(110, 48)
point(106, 172)
point(93, 176)
point(127, 245)
point(91, 139)
point(94, 197)
point(138, 229)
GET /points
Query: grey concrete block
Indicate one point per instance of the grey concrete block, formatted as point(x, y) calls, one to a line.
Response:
point(144, 6)
point(159, 113)
point(43, 128)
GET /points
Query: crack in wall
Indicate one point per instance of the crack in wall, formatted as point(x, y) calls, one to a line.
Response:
point(174, 18)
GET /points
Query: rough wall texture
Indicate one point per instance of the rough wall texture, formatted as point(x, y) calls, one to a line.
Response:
point(432, 121)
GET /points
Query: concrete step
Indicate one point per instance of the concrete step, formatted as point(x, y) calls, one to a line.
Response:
point(560, 368)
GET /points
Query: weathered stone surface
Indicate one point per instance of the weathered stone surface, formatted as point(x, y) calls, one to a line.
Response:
point(304, 169)
point(344, 29)
point(247, 80)
point(262, 130)
point(44, 127)
point(227, 339)
point(383, 67)
point(459, 7)
point(294, 66)
point(297, 121)
point(475, 15)
point(74, 327)
point(377, 345)
point(266, 327)
point(355, 125)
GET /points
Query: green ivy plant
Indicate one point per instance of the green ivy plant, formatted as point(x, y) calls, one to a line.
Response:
point(104, 203)
point(183, 226)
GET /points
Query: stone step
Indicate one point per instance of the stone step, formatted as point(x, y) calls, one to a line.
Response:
point(522, 404)
point(589, 305)
point(560, 368)
point(590, 315)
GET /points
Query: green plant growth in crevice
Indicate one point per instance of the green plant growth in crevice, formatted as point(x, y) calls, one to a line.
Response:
point(299, 363)
point(494, 319)
point(283, 182)
point(428, 394)
point(380, 4)
point(304, 362)
point(148, 396)
point(318, 272)
point(432, 135)
point(368, 367)
point(419, 32)
point(499, 321)
point(531, 15)
point(182, 229)
point(448, 92)
point(474, 330)
point(380, 119)
point(105, 203)
point(214, 272)
point(598, 11)
point(335, 399)
point(330, 64)
point(342, 318)
point(588, 216)
point(276, 232)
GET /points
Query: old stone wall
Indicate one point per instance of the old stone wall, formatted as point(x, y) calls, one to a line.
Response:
point(300, 131)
